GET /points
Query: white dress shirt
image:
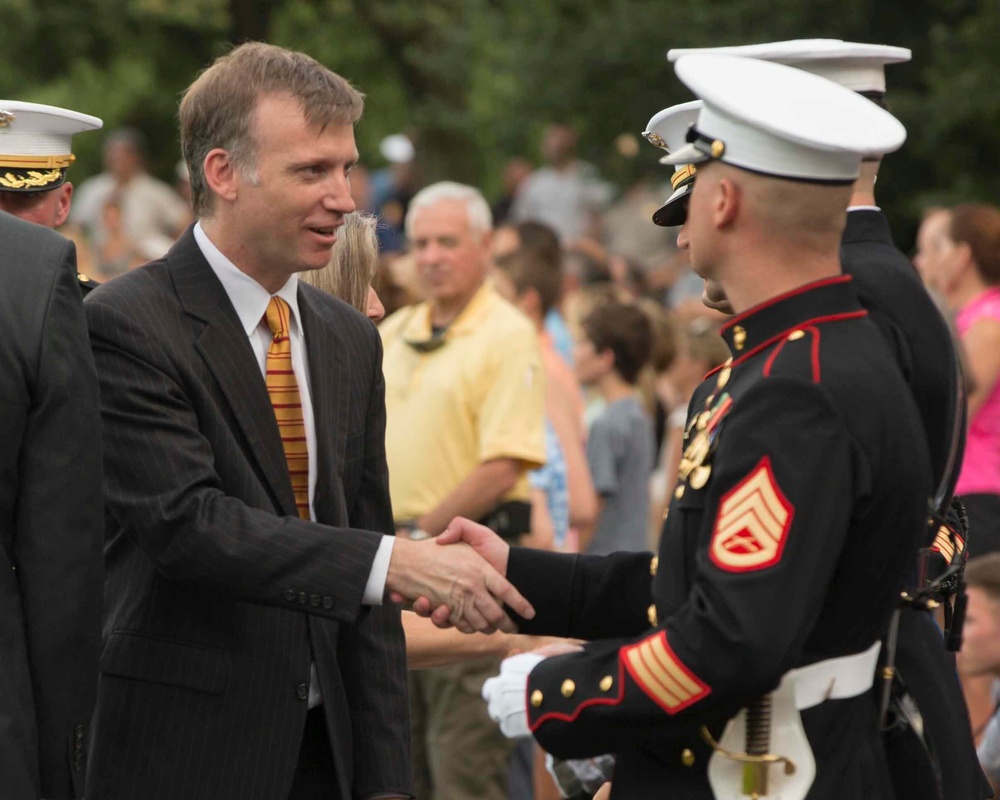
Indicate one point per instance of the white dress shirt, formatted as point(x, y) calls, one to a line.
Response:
point(250, 300)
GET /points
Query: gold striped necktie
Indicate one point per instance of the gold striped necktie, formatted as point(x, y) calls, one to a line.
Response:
point(284, 393)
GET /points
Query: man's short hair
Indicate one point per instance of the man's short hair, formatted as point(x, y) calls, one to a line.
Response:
point(528, 269)
point(983, 572)
point(625, 330)
point(218, 108)
point(537, 237)
point(478, 210)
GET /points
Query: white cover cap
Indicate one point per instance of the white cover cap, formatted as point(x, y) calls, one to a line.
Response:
point(781, 121)
point(36, 144)
point(668, 130)
point(856, 66)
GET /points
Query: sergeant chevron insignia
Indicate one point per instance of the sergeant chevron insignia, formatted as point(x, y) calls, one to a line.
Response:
point(661, 675)
point(752, 523)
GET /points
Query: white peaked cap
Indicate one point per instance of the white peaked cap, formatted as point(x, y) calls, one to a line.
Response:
point(668, 131)
point(856, 66)
point(36, 144)
point(781, 121)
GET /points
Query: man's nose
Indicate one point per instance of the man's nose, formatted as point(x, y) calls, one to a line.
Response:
point(683, 242)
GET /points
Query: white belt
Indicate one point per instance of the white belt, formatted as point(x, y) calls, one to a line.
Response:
point(835, 678)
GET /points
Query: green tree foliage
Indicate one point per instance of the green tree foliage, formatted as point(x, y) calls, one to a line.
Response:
point(475, 81)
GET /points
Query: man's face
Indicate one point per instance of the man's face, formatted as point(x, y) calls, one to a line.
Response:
point(43, 208)
point(697, 234)
point(980, 652)
point(287, 219)
point(452, 258)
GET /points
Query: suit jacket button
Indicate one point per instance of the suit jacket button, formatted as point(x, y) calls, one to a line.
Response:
point(327, 603)
point(314, 600)
point(302, 691)
point(567, 688)
point(687, 757)
point(290, 595)
point(303, 597)
point(536, 698)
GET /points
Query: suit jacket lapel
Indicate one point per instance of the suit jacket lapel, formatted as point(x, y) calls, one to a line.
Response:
point(224, 346)
point(329, 387)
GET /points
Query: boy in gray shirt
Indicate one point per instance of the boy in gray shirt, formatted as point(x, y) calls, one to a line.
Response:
point(610, 353)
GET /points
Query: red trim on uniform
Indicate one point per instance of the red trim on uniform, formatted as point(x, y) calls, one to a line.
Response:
point(770, 302)
point(774, 355)
point(752, 565)
point(815, 321)
point(814, 332)
point(596, 701)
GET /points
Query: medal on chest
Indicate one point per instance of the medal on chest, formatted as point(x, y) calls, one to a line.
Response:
point(702, 437)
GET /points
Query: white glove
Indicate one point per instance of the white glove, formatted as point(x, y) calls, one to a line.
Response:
point(505, 694)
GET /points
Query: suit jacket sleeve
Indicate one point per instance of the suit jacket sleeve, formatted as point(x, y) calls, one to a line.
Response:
point(59, 524)
point(373, 663)
point(163, 489)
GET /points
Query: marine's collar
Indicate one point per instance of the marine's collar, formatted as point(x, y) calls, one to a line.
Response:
point(826, 300)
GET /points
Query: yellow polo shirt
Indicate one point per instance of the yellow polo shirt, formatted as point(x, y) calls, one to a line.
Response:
point(477, 397)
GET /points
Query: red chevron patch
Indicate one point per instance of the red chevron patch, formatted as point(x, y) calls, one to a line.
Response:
point(752, 523)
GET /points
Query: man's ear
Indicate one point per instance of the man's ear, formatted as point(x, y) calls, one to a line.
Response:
point(728, 197)
point(65, 199)
point(221, 174)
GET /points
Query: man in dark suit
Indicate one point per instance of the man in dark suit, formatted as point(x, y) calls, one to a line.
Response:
point(51, 518)
point(247, 650)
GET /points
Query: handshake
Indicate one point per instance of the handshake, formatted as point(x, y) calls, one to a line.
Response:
point(457, 579)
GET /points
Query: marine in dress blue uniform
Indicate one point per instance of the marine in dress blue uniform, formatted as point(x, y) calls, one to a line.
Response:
point(801, 499)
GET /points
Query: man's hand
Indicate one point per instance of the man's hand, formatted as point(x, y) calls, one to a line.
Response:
point(458, 583)
point(485, 542)
point(505, 694)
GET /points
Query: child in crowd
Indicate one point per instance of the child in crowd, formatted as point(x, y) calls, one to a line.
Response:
point(612, 347)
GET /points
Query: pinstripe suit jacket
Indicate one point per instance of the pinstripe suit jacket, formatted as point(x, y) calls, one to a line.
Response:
point(217, 594)
point(50, 517)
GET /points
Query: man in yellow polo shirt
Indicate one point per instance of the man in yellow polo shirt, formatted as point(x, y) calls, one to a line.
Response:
point(464, 401)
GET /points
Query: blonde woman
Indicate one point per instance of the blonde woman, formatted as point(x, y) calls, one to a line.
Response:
point(349, 276)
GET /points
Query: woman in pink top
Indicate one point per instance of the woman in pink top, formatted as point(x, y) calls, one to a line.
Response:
point(959, 257)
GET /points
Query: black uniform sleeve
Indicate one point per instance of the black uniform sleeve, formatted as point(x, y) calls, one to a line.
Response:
point(580, 596)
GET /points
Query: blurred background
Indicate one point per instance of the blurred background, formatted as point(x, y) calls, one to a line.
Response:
point(473, 83)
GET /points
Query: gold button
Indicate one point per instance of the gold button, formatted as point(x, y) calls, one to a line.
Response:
point(654, 563)
point(536, 698)
point(651, 613)
point(606, 683)
point(796, 335)
point(81, 277)
point(568, 687)
point(687, 757)
point(679, 491)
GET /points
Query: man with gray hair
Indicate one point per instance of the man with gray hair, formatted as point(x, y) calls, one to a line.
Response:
point(464, 400)
point(248, 651)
